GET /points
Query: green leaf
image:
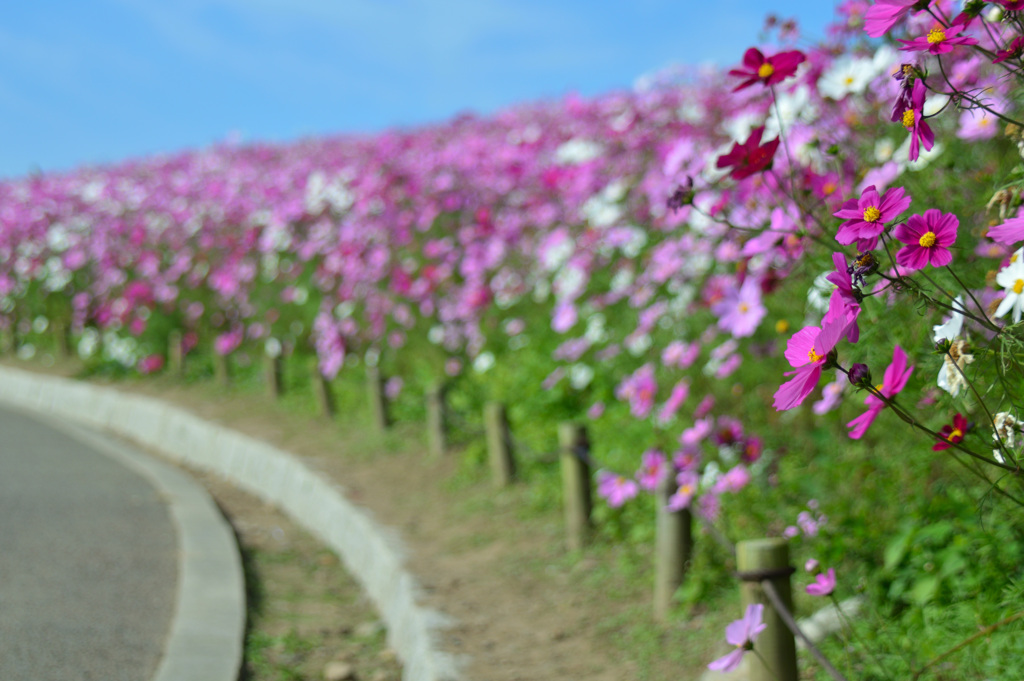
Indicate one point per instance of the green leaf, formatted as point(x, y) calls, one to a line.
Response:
point(924, 589)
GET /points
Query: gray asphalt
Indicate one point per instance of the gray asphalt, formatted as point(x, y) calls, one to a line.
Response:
point(88, 560)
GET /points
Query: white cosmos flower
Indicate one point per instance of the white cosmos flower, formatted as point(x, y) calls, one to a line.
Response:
point(1011, 278)
point(952, 327)
point(847, 75)
point(1006, 427)
point(951, 374)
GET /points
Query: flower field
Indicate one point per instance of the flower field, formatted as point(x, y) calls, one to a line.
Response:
point(793, 288)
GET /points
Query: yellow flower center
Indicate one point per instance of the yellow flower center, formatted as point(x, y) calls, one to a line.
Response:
point(848, 80)
point(814, 357)
point(686, 490)
point(871, 214)
point(744, 307)
point(1018, 286)
point(765, 70)
point(908, 119)
point(927, 240)
point(829, 188)
point(956, 434)
point(781, 326)
point(936, 35)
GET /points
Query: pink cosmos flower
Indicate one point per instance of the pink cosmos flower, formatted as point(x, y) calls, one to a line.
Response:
point(154, 363)
point(1008, 233)
point(866, 217)
point(616, 489)
point(913, 120)
point(1014, 51)
point(733, 480)
point(927, 239)
point(639, 389)
point(939, 40)
point(767, 70)
point(742, 633)
point(843, 301)
point(808, 351)
point(687, 482)
point(823, 584)
point(894, 380)
point(741, 310)
point(696, 433)
point(680, 392)
point(653, 467)
point(885, 14)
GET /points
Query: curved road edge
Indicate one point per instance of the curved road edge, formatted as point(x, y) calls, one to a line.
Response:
point(207, 633)
point(372, 553)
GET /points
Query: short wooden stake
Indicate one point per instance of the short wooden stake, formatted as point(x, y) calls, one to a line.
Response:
point(61, 338)
point(759, 559)
point(378, 401)
point(437, 421)
point(576, 497)
point(175, 353)
point(499, 444)
point(672, 548)
point(221, 370)
point(322, 391)
point(273, 370)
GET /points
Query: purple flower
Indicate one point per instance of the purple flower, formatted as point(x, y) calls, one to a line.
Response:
point(824, 583)
point(1008, 233)
point(686, 482)
point(741, 310)
point(742, 633)
point(652, 469)
point(616, 489)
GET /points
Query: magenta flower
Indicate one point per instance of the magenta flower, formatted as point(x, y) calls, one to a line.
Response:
point(952, 433)
point(893, 381)
point(885, 14)
point(767, 70)
point(824, 583)
point(866, 217)
point(927, 239)
point(616, 489)
point(912, 119)
point(1014, 51)
point(1008, 233)
point(808, 351)
point(843, 301)
point(749, 157)
point(679, 393)
point(939, 40)
point(742, 633)
point(653, 467)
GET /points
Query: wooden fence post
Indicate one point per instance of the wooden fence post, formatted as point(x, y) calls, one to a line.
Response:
point(377, 399)
point(322, 390)
point(759, 559)
point(273, 370)
point(499, 444)
point(672, 547)
point(7, 339)
point(576, 497)
point(221, 370)
point(175, 353)
point(437, 422)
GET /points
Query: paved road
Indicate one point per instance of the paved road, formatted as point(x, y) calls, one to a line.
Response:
point(88, 560)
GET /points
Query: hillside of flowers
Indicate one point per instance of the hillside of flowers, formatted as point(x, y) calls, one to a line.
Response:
point(793, 285)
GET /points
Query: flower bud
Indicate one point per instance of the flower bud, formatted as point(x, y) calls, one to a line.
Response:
point(812, 566)
point(859, 374)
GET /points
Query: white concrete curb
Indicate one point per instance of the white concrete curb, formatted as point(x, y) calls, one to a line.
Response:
point(372, 553)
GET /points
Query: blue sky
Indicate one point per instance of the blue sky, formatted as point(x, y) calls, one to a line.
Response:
point(95, 81)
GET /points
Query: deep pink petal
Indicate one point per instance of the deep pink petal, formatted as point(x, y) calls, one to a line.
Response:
point(1008, 233)
point(799, 346)
point(860, 425)
point(791, 393)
